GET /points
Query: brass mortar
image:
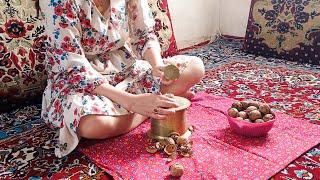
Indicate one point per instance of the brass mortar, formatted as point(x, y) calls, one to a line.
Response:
point(176, 122)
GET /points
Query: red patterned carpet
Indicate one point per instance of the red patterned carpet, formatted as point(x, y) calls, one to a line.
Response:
point(291, 91)
point(26, 145)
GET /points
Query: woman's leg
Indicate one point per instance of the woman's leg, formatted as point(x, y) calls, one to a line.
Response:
point(188, 78)
point(102, 127)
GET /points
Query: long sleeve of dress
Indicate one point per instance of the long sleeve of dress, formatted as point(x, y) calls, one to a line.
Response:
point(141, 27)
point(67, 65)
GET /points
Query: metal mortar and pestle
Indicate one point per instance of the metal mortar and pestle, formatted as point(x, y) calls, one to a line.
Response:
point(176, 122)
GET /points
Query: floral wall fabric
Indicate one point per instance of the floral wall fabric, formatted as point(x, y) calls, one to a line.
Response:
point(22, 53)
point(23, 45)
point(287, 29)
point(163, 27)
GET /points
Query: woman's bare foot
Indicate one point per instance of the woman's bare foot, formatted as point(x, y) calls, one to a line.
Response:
point(189, 95)
point(192, 74)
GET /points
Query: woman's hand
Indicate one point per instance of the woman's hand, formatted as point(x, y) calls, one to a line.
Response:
point(153, 56)
point(158, 72)
point(151, 105)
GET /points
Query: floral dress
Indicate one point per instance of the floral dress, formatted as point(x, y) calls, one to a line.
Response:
point(87, 49)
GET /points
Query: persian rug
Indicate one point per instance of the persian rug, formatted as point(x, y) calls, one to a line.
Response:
point(24, 123)
point(218, 153)
point(27, 150)
point(285, 29)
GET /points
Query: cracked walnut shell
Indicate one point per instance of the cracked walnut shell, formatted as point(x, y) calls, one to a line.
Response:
point(174, 135)
point(151, 149)
point(170, 149)
point(182, 141)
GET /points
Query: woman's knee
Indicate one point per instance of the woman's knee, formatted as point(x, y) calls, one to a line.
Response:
point(196, 68)
point(94, 127)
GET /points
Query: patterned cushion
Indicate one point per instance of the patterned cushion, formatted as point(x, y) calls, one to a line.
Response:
point(287, 29)
point(22, 49)
point(22, 53)
point(163, 26)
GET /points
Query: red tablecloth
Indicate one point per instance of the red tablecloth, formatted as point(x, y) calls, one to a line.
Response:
point(218, 152)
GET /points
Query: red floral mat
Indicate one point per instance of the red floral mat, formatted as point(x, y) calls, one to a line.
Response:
point(218, 152)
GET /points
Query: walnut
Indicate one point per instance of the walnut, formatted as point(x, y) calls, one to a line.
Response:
point(253, 103)
point(237, 105)
point(245, 104)
point(254, 115)
point(250, 108)
point(176, 170)
point(259, 121)
point(239, 118)
point(233, 112)
point(243, 114)
point(264, 109)
point(248, 120)
point(268, 117)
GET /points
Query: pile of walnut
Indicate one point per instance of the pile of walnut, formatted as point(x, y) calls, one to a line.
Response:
point(173, 146)
point(254, 112)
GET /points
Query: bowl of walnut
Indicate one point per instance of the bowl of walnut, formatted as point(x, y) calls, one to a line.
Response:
point(251, 119)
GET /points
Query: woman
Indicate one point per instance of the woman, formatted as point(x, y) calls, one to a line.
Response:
point(97, 85)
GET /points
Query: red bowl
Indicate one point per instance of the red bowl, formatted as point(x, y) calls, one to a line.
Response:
point(250, 129)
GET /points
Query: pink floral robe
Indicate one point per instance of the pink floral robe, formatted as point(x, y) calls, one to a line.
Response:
point(88, 49)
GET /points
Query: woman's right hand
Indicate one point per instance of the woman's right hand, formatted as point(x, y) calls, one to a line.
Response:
point(151, 105)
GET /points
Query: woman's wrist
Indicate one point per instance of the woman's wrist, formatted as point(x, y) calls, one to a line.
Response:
point(121, 97)
point(130, 101)
point(153, 56)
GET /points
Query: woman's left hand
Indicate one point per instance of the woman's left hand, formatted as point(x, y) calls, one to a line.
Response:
point(158, 72)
